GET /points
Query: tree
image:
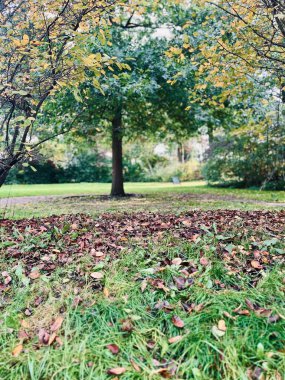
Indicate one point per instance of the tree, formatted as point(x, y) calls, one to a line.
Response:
point(43, 48)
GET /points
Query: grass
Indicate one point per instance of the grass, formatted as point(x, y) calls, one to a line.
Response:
point(195, 187)
point(155, 197)
point(144, 289)
point(115, 310)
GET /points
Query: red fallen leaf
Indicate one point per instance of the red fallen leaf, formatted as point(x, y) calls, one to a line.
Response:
point(43, 336)
point(175, 339)
point(177, 322)
point(17, 350)
point(135, 365)
point(204, 261)
point(34, 274)
point(116, 371)
point(113, 348)
point(57, 324)
point(255, 264)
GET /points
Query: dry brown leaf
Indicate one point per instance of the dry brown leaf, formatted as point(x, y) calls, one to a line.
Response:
point(34, 274)
point(135, 365)
point(175, 339)
point(143, 285)
point(176, 261)
point(106, 292)
point(97, 275)
point(116, 371)
point(177, 322)
point(255, 264)
point(222, 325)
point(57, 324)
point(25, 324)
point(43, 336)
point(51, 338)
point(23, 336)
point(17, 350)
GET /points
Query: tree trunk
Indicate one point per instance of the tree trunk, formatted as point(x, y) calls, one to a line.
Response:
point(3, 175)
point(179, 153)
point(117, 157)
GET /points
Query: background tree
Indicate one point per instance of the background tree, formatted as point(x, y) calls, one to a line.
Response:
point(43, 48)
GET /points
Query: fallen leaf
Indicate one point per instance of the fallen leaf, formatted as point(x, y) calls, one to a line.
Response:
point(23, 336)
point(204, 261)
point(25, 324)
point(255, 264)
point(222, 325)
point(97, 275)
point(106, 292)
point(113, 348)
point(177, 322)
point(56, 324)
point(43, 336)
point(34, 274)
point(176, 261)
point(217, 332)
point(175, 339)
point(116, 371)
point(17, 350)
point(96, 253)
point(135, 365)
point(51, 338)
point(143, 285)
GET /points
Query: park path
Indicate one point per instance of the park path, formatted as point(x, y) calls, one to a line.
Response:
point(6, 202)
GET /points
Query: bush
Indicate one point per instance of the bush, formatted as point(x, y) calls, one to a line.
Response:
point(245, 162)
point(188, 171)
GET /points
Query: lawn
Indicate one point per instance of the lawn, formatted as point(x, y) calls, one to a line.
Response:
point(155, 197)
point(195, 187)
point(198, 295)
point(182, 282)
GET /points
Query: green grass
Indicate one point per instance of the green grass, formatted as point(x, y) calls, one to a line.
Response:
point(250, 343)
point(195, 187)
point(155, 197)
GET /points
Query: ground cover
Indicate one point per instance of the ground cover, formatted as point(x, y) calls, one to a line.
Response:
point(46, 200)
point(192, 295)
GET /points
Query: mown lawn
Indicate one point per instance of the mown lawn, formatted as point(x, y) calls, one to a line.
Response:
point(195, 187)
point(155, 197)
point(195, 295)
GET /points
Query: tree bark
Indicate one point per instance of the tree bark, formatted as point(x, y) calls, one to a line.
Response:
point(179, 153)
point(117, 157)
point(4, 173)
